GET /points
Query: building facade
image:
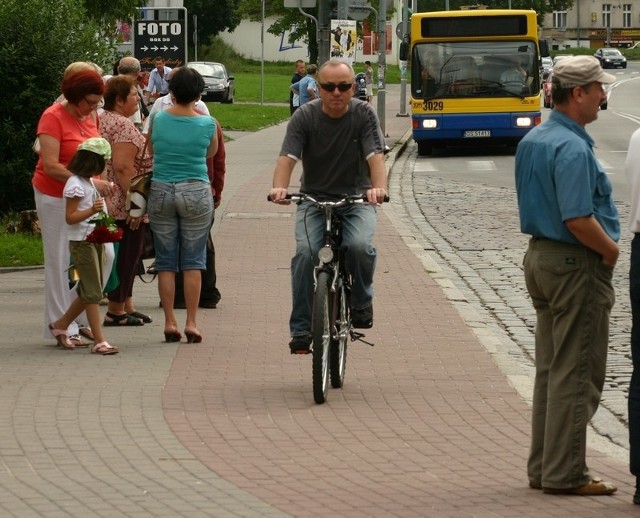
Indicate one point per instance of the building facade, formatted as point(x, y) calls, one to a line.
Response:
point(593, 24)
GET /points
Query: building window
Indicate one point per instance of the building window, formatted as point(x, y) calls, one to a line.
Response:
point(626, 15)
point(606, 15)
point(559, 19)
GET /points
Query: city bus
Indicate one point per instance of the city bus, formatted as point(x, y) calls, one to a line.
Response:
point(475, 76)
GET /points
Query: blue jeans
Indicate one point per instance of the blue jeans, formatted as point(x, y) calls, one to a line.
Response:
point(180, 217)
point(634, 386)
point(358, 229)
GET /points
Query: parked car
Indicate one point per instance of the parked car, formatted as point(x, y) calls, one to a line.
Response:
point(547, 65)
point(611, 58)
point(218, 84)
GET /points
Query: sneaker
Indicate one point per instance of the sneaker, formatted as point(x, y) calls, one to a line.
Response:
point(362, 318)
point(300, 344)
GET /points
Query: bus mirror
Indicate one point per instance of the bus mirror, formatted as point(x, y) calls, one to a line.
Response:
point(404, 49)
point(544, 48)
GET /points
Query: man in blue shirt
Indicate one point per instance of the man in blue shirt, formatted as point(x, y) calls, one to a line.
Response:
point(307, 88)
point(158, 79)
point(565, 203)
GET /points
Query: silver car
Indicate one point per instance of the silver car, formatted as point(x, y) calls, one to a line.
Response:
point(218, 84)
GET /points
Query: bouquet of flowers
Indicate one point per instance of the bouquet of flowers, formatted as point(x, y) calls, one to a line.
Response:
point(105, 231)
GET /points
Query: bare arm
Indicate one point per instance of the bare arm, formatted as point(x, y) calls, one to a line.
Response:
point(378, 172)
point(281, 178)
point(588, 231)
point(50, 153)
point(73, 215)
point(123, 162)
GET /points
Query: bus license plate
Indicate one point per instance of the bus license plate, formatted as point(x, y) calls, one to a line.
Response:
point(477, 133)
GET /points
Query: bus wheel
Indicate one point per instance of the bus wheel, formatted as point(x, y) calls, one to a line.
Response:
point(424, 147)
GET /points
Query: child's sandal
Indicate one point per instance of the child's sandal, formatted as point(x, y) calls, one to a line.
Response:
point(104, 348)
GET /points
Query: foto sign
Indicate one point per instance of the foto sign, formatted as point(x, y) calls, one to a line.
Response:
point(166, 38)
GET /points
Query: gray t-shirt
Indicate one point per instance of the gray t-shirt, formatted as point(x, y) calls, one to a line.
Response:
point(334, 152)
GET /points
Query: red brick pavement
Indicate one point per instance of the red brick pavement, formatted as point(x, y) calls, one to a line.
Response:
point(426, 424)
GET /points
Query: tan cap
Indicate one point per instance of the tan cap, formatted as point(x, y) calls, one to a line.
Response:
point(579, 71)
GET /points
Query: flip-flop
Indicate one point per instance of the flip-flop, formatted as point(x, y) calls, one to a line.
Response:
point(77, 341)
point(104, 348)
point(86, 332)
point(62, 337)
point(145, 318)
point(121, 320)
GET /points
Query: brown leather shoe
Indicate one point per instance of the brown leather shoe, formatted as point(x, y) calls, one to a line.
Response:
point(596, 487)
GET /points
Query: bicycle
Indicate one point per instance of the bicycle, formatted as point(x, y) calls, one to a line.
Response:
point(331, 325)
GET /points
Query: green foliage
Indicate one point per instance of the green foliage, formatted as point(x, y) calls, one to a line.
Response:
point(20, 249)
point(38, 39)
point(214, 16)
point(113, 9)
point(541, 7)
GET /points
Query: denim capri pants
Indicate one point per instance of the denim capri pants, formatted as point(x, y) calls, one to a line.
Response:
point(180, 216)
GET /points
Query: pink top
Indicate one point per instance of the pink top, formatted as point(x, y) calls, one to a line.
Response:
point(117, 129)
point(70, 132)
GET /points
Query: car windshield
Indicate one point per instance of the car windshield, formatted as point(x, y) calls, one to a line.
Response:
point(484, 69)
point(611, 52)
point(208, 70)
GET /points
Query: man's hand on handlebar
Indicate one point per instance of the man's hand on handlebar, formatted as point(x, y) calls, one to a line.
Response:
point(377, 195)
point(279, 195)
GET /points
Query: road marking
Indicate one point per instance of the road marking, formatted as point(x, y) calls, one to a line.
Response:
point(424, 167)
point(481, 165)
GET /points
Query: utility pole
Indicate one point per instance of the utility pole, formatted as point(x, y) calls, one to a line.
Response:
point(324, 32)
point(403, 64)
point(382, 63)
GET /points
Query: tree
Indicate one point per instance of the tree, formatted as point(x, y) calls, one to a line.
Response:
point(541, 7)
point(38, 39)
point(214, 16)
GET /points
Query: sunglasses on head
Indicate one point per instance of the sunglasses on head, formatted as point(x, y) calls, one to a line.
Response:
point(330, 87)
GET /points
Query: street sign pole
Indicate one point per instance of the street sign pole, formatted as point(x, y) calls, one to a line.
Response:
point(382, 62)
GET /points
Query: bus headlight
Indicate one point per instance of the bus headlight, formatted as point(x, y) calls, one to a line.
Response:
point(325, 255)
point(524, 122)
point(429, 123)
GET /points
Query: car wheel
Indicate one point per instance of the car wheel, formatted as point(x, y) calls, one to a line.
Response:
point(624, 66)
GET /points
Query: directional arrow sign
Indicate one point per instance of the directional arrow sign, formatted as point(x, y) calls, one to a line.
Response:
point(166, 38)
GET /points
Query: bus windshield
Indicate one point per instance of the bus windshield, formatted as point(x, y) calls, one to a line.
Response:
point(474, 69)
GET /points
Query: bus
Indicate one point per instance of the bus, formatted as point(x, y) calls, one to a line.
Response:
point(475, 76)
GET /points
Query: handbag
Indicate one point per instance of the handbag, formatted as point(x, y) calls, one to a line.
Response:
point(138, 193)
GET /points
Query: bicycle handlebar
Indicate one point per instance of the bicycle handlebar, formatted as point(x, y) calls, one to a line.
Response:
point(298, 197)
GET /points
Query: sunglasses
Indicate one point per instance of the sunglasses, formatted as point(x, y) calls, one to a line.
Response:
point(330, 87)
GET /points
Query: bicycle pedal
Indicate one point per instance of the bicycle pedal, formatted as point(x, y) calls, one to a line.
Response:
point(359, 336)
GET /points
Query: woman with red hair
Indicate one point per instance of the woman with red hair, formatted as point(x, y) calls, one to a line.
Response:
point(62, 127)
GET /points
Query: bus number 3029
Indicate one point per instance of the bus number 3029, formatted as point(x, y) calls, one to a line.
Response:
point(436, 106)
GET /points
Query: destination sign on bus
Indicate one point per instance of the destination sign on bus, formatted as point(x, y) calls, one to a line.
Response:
point(467, 26)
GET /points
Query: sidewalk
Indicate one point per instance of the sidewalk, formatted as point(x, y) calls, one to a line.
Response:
point(426, 424)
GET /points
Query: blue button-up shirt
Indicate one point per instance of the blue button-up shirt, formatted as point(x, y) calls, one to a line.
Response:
point(558, 178)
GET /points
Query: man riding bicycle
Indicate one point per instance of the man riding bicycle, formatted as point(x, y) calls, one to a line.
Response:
point(339, 141)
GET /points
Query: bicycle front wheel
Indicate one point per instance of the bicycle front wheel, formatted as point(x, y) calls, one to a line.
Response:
point(321, 337)
point(338, 352)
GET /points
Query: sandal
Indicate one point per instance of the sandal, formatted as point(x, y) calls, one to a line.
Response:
point(62, 337)
point(145, 318)
point(104, 348)
point(86, 332)
point(77, 341)
point(121, 320)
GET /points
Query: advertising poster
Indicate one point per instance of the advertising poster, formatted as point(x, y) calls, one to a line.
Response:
point(343, 40)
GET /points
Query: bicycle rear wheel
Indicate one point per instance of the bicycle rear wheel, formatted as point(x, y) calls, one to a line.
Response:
point(321, 337)
point(338, 351)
